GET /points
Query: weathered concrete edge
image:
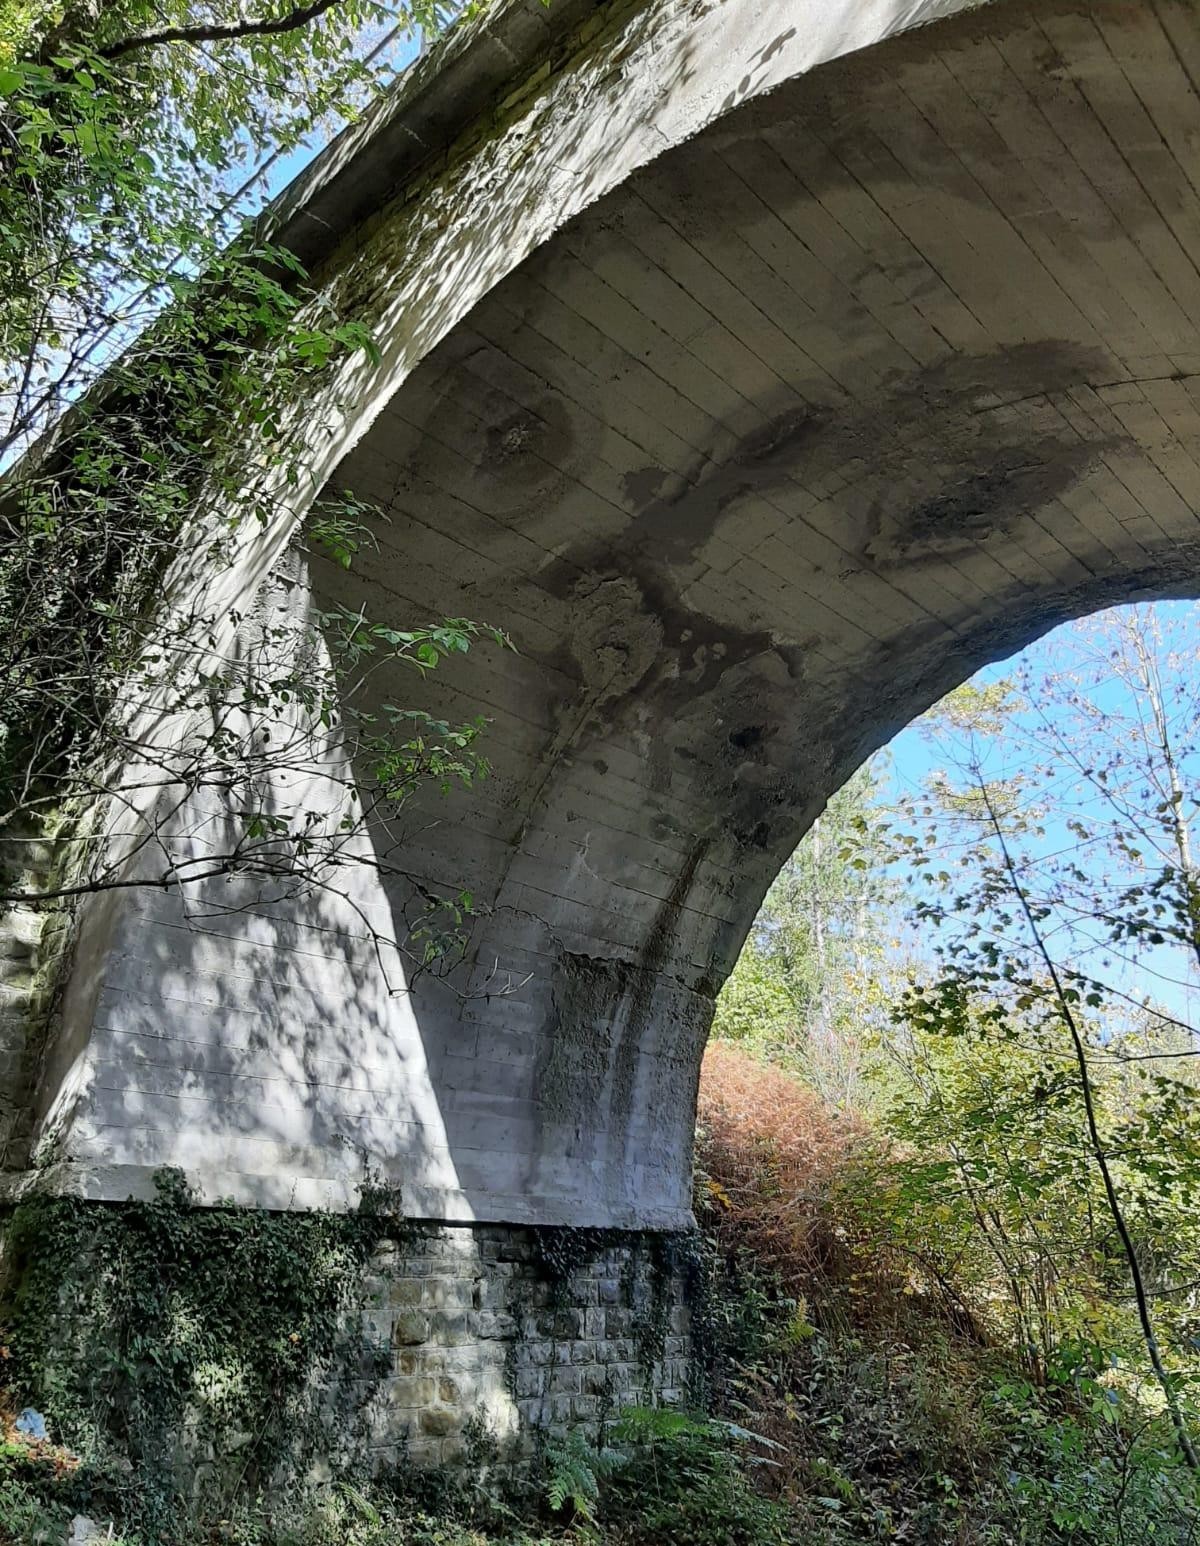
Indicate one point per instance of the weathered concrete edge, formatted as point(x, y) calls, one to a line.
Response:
point(429, 107)
point(213, 1187)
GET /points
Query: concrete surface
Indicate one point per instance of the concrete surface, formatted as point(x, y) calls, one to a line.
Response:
point(763, 385)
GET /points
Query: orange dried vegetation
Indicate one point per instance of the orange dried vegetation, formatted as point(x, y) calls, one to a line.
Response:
point(773, 1157)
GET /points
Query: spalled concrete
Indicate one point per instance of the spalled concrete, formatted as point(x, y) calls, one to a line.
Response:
point(763, 384)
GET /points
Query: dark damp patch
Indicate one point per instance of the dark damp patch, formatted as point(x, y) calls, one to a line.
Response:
point(758, 836)
point(674, 527)
point(643, 484)
point(988, 500)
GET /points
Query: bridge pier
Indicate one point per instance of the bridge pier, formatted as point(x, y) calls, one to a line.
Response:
point(761, 384)
point(197, 1345)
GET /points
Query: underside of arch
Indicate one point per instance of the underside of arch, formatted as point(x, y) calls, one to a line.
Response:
point(873, 381)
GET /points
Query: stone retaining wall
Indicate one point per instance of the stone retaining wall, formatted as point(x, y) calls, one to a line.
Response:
point(524, 1332)
point(29, 939)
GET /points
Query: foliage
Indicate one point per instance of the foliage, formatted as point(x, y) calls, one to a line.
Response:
point(26, 1521)
point(131, 141)
point(683, 1479)
point(855, 1398)
point(797, 991)
point(573, 1473)
point(1067, 1135)
point(863, 1345)
point(771, 1159)
point(147, 1325)
point(661, 1474)
point(994, 1180)
point(130, 702)
point(755, 1005)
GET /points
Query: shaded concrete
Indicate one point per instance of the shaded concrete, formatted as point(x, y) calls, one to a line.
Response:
point(763, 388)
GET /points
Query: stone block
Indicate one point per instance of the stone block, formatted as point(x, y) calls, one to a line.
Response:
point(595, 1380)
point(440, 1420)
point(409, 1390)
point(490, 1293)
point(451, 1329)
point(530, 1382)
point(566, 1382)
point(565, 1325)
point(489, 1326)
point(443, 1293)
point(410, 1328)
point(384, 1425)
point(425, 1451)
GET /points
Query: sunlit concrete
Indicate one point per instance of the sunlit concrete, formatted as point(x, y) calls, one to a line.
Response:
point(763, 384)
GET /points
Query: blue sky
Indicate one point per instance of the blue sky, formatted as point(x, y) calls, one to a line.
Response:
point(396, 53)
point(1098, 724)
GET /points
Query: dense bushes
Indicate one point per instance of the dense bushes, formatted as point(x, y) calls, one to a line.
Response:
point(848, 1338)
point(772, 1159)
point(177, 1351)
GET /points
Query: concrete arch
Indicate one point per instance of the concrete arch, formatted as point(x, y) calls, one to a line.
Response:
point(876, 377)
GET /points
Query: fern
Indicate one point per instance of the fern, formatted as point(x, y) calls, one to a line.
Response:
point(574, 1473)
point(652, 1424)
point(360, 1504)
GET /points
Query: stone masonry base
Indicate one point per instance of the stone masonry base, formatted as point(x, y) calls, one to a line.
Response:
point(521, 1333)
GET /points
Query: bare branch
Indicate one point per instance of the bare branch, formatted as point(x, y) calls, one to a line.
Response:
point(218, 32)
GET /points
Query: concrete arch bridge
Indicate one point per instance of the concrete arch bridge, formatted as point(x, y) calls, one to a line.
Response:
point(764, 368)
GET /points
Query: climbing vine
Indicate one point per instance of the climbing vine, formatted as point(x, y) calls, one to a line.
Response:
point(167, 1344)
point(659, 1270)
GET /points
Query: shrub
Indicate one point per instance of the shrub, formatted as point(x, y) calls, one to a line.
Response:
point(845, 1336)
point(772, 1158)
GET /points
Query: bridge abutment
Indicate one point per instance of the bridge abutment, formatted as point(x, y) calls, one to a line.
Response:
point(525, 1332)
point(201, 1348)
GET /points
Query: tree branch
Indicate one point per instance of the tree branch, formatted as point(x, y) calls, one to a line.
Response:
point(217, 32)
point(1096, 1142)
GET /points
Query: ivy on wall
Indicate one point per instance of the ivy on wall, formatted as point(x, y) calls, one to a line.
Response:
point(192, 1357)
point(660, 1269)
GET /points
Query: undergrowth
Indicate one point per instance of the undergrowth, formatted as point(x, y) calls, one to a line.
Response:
point(899, 1414)
point(854, 1394)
